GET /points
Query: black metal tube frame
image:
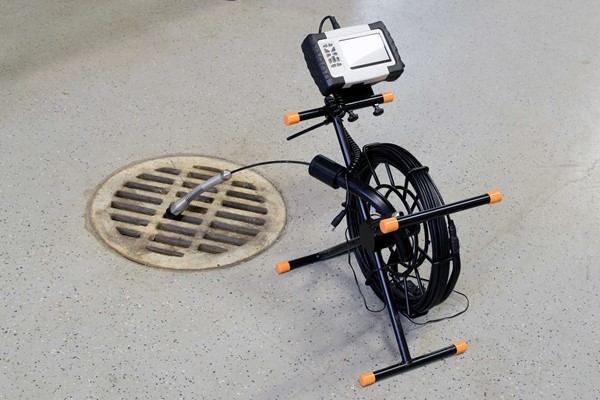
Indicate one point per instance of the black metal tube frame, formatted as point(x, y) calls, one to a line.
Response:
point(369, 195)
point(432, 213)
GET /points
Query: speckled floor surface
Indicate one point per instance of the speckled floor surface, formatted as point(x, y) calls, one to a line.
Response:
point(495, 94)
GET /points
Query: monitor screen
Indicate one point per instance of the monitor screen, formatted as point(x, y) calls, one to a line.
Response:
point(364, 51)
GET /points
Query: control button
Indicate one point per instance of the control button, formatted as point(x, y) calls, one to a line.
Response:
point(333, 49)
point(326, 51)
point(338, 64)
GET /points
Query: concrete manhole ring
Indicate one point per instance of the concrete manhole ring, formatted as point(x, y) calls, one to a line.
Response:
point(231, 223)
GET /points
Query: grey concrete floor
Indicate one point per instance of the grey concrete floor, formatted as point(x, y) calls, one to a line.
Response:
point(495, 94)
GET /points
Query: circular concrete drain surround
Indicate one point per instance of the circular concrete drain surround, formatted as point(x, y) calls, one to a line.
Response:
point(226, 225)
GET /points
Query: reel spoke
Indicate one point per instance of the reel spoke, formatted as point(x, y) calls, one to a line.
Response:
point(389, 172)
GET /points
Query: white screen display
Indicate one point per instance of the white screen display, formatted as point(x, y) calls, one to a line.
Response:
point(365, 50)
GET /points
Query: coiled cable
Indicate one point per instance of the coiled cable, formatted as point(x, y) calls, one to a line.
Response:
point(442, 276)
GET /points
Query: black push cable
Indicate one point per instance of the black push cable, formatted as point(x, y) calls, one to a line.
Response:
point(443, 275)
point(177, 207)
point(258, 164)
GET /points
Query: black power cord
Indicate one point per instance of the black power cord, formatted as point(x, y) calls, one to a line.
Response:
point(431, 321)
point(334, 23)
point(356, 278)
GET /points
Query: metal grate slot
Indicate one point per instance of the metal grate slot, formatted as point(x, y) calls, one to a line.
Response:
point(191, 220)
point(119, 205)
point(217, 237)
point(129, 220)
point(191, 185)
point(138, 197)
point(246, 196)
point(176, 229)
point(203, 199)
point(165, 252)
point(244, 207)
point(167, 170)
point(197, 175)
point(207, 248)
point(129, 232)
point(241, 218)
point(196, 209)
point(234, 228)
point(207, 168)
point(156, 178)
point(244, 185)
point(173, 241)
point(147, 188)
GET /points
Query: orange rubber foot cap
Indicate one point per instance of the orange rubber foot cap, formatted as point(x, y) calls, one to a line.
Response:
point(291, 118)
point(366, 379)
point(389, 225)
point(461, 347)
point(282, 267)
point(495, 196)
point(387, 97)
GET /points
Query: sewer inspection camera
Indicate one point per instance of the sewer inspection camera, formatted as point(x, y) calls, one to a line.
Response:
point(398, 226)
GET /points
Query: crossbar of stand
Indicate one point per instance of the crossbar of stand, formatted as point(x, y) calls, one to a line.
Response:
point(369, 378)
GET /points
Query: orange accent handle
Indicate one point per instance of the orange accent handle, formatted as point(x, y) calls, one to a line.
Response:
point(495, 196)
point(366, 379)
point(461, 347)
point(389, 225)
point(282, 267)
point(387, 97)
point(291, 118)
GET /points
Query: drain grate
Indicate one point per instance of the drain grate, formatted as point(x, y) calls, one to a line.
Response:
point(227, 224)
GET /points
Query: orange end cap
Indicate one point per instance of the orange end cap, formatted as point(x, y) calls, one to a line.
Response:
point(389, 225)
point(366, 379)
point(495, 196)
point(387, 97)
point(461, 347)
point(282, 267)
point(291, 118)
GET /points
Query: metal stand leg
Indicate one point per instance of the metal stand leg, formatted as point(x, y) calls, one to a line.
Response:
point(326, 254)
point(407, 363)
point(396, 325)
